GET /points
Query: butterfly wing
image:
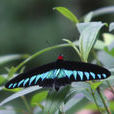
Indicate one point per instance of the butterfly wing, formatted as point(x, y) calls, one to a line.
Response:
point(42, 76)
point(78, 71)
point(59, 74)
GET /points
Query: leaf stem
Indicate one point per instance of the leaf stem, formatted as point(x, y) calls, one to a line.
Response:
point(101, 96)
point(27, 105)
point(95, 100)
point(40, 52)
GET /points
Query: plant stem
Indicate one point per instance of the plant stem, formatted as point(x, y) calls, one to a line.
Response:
point(95, 100)
point(40, 52)
point(93, 93)
point(98, 89)
point(26, 104)
point(101, 96)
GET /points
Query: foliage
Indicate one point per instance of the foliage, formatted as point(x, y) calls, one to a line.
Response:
point(83, 95)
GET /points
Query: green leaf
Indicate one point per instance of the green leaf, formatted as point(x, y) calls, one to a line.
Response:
point(88, 36)
point(55, 99)
point(39, 97)
point(111, 27)
point(68, 14)
point(19, 94)
point(88, 17)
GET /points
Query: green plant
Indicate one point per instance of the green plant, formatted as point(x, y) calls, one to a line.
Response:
point(92, 91)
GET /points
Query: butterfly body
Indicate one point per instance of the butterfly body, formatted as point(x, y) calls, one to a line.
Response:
point(59, 73)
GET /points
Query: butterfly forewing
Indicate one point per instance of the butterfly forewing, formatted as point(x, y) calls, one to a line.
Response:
point(59, 73)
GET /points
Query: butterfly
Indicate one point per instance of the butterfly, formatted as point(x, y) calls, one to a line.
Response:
point(58, 73)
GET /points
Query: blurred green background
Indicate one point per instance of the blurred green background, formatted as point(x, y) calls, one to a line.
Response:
point(27, 26)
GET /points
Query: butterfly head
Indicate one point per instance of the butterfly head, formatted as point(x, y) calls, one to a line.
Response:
point(60, 57)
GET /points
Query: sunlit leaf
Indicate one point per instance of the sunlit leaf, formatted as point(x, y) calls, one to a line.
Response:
point(88, 35)
point(20, 93)
point(39, 97)
point(67, 13)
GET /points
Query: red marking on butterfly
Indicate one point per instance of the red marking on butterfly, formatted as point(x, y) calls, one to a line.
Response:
point(60, 57)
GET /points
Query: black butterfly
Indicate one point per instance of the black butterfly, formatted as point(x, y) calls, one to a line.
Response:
point(59, 73)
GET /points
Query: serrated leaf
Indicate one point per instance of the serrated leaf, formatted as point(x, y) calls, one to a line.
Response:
point(39, 97)
point(88, 35)
point(19, 94)
point(67, 13)
point(111, 27)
